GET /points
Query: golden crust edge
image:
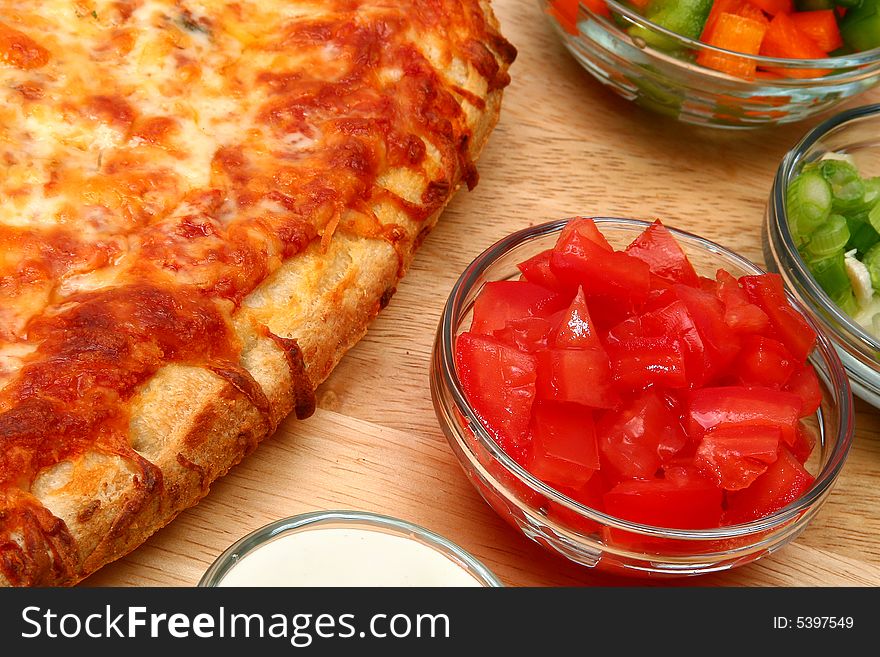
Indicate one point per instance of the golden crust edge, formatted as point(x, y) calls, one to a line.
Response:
point(228, 419)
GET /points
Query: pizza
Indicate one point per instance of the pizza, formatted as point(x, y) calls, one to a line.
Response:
point(202, 206)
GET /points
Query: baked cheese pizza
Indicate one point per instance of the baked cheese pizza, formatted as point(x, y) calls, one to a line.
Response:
point(202, 206)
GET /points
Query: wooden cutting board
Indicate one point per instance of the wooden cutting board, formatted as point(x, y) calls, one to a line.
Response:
point(564, 146)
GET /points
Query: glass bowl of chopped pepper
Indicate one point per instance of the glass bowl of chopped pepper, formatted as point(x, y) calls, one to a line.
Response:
point(726, 63)
point(638, 399)
point(822, 234)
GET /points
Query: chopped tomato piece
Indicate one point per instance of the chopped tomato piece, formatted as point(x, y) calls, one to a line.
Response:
point(627, 381)
point(613, 276)
point(688, 504)
point(582, 227)
point(709, 285)
point(564, 451)
point(629, 329)
point(499, 382)
point(637, 438)
point(804, 442)
point(789, 325)
point(676, 321)
point(733, 457)
point(577, 330)
point(746, 318)
point(775, 287)
point(707, 312)
point(526, 334)
point(681, 469)
point(660, 294)
point(501, 301)
point(805, 384)
point(537, 270)
point(661, 252)
point(713, 408)
point(740, 314)
point(784, 482)
point(764, 362)
point(580, 376)
point(642, 362)
point(675, 401)
point(590, 495)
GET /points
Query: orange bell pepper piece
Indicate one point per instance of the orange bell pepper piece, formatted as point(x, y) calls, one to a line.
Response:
point(820, 26)
point(785, 40)
point(738, 34)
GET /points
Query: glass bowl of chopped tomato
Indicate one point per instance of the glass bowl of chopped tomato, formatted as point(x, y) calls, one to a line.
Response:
point(822, 234)
point(639, 399)
point(725, 63)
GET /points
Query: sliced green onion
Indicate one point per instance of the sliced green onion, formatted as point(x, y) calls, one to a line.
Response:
point(847, 187)
point(834, 155)
point(846, 301)
point(834, 216)
point(830, 237)
point(799, 240)
point(872, 190)
point(855, 220)
point(808, 201)
point(874, 217)
point(830, 274)
point(871, 260)
point(859, 211)
point(862, 237)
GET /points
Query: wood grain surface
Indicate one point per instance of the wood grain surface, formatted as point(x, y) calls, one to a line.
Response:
point(564, 146)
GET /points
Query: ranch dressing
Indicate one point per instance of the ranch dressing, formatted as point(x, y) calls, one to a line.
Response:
point(345, 556)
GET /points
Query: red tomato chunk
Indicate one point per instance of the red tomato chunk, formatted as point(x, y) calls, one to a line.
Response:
point(630, 383)
point(499, 382)
point(564, 451)
point(783, 483)
point(658, 248)
point(738, 406)
point(688, 504)
point(502, 301)
point(735, 456)
point(637, 438)
point(561, 372)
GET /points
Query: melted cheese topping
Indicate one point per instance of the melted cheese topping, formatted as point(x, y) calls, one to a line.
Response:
point(161, 158)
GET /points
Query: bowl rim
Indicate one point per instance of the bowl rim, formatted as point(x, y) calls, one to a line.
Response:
point(824, 347)
point(842, 64)
point(866, 343)
point(312, 520)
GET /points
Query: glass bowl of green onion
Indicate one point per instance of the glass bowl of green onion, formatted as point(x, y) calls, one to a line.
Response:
point(822, 234)
point(725, 63)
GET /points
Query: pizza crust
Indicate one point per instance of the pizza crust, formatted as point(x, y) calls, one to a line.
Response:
point(189, 426)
